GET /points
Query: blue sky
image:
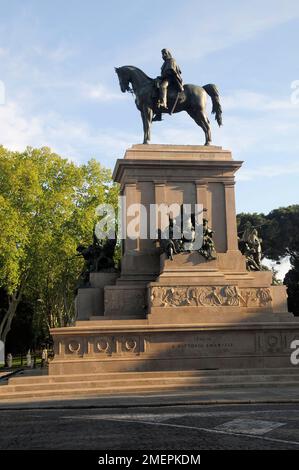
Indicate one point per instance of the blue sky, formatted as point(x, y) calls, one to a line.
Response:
point(58, 59)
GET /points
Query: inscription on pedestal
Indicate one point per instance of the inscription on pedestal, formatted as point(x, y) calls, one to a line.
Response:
point(201, 344)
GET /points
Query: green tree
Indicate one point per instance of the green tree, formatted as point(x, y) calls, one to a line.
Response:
point(292, 282)
point(279, 230)
point(283, 232)
point(47, 207)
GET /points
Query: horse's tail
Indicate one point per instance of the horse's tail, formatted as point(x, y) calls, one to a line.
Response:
point(214, 95)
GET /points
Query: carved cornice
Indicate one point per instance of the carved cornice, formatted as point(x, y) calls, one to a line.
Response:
point(156, 169)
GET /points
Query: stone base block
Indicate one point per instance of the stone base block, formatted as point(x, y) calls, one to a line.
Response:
point(90, 300)
point(124, 301)
point(103, 279)
point(82, 350)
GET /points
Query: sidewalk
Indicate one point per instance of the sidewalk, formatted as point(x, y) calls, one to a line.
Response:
point(22, 372)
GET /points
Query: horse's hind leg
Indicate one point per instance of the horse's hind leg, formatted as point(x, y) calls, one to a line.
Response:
point(145, 141)
point(202, 121)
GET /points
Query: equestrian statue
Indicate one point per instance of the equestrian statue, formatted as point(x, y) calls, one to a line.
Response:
point(168, 94)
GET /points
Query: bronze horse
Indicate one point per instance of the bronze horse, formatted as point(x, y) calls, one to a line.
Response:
point(192, 100)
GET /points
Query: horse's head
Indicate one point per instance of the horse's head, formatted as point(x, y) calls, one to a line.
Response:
point(123, 78)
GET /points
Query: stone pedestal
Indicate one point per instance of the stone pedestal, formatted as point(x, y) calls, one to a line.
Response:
point(89, 301)
point(188, 313)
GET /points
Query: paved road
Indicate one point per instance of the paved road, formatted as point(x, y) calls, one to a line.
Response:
point(160, 428)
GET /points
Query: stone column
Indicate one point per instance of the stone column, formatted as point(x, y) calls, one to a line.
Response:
point(160, 198)
point(130, 192)
point(231, 222)
point(201, 194)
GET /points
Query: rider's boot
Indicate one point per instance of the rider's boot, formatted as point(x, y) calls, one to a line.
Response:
point(162, 103)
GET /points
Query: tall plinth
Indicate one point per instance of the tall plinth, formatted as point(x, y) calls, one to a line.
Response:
point(185, 313)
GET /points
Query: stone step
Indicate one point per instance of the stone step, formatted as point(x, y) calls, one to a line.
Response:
point(138, 383)
point(130, 389)
point(153, 374)
point(107, 376)
point(115, 382)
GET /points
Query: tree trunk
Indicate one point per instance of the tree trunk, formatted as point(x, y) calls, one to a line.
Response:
point(5, 323)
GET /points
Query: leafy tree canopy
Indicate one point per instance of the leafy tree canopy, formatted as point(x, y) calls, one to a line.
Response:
point(279, 230)
point(47, 207)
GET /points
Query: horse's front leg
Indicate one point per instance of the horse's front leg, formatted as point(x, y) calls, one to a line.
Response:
point(147, 117)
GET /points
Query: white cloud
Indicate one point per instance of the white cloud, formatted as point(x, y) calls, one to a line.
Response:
point(61, 53)
point(268, 171)
point(17, 130)
point(259, 123)
point(198, 29)
point(58, 53)
point(73, 139)
point(268, 132)
point(252, 101)
point(3, 52)
point(100, 92)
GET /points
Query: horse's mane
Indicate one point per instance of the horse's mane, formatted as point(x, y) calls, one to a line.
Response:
point(136, 69)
